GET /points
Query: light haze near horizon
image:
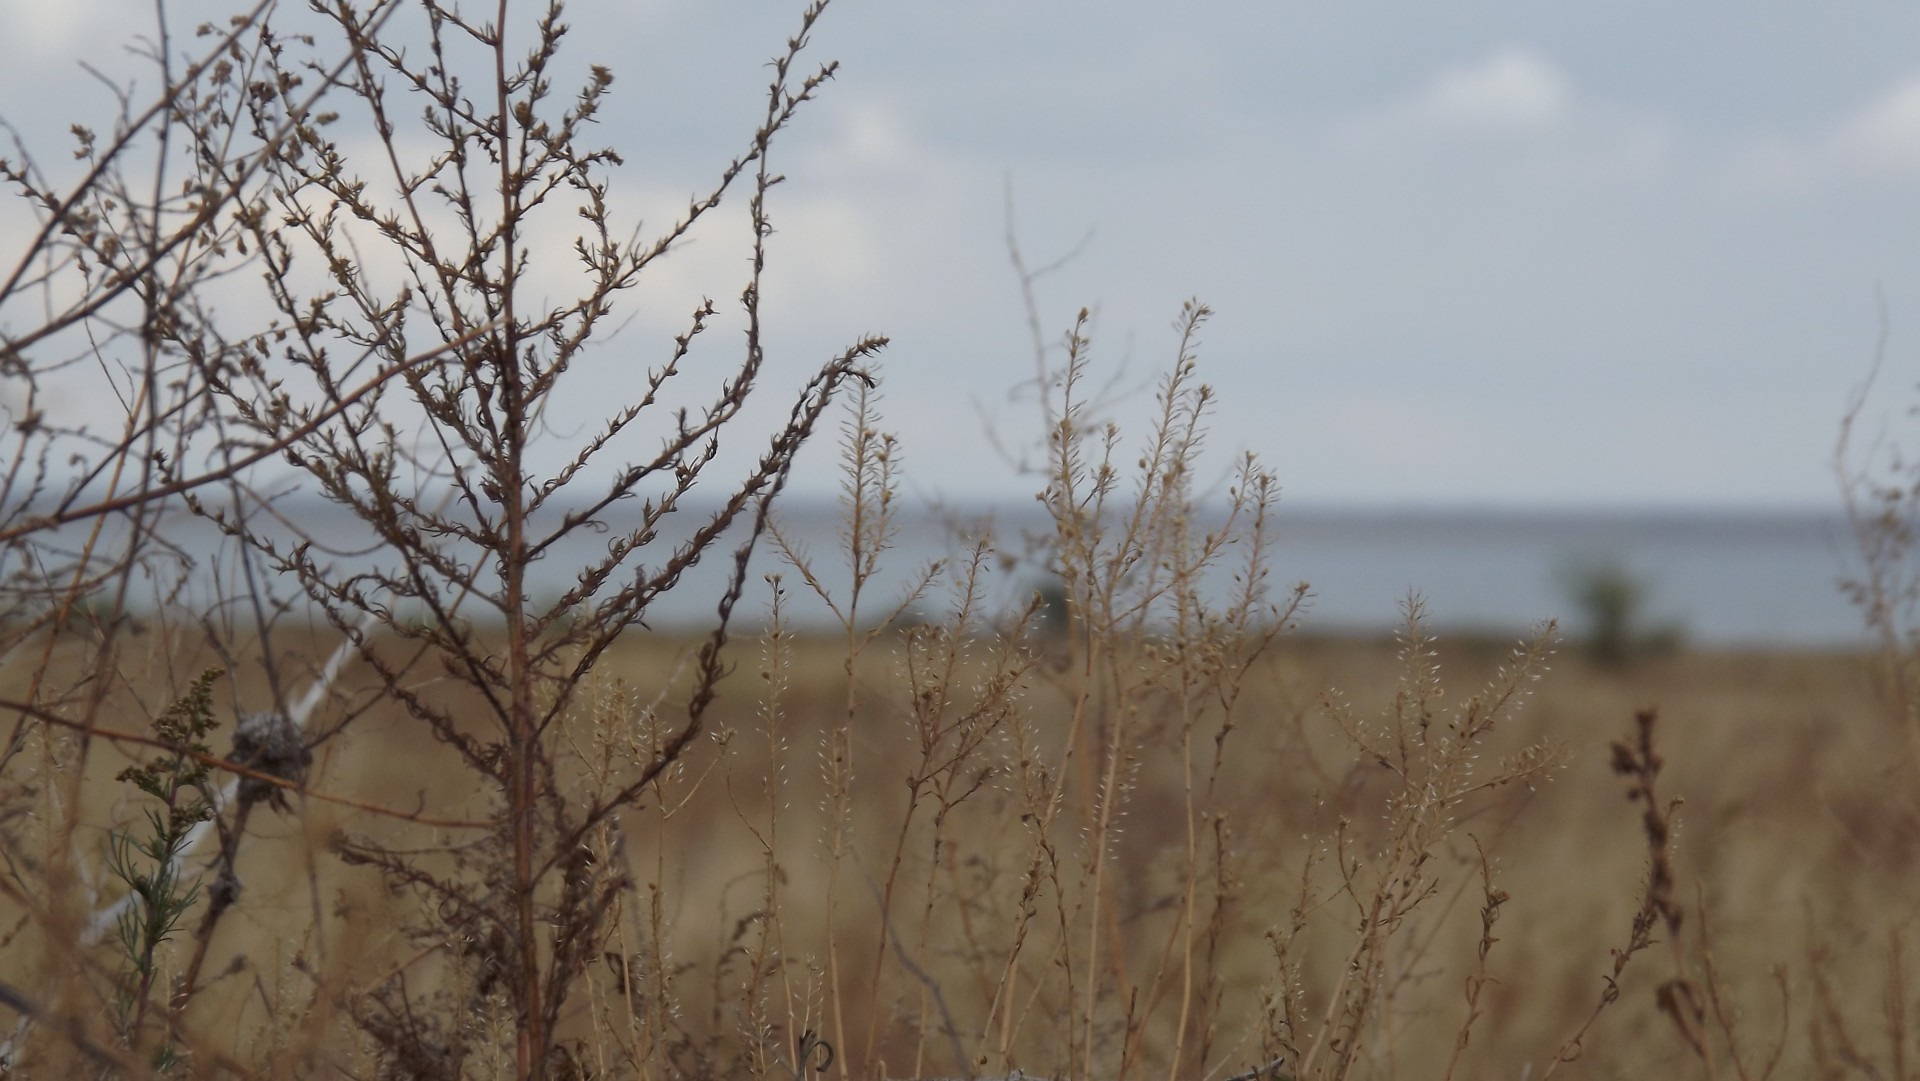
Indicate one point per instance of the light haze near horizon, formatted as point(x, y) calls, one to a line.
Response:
point(1499, 254)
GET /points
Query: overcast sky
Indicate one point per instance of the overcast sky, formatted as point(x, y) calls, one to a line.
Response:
point(1512, 254)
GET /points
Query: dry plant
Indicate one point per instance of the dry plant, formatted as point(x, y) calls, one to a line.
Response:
point(1695, 999)
point(1037, 848)
point(393, 355)
point(1880, 495)
point(1879, 485)
point(1385, 878)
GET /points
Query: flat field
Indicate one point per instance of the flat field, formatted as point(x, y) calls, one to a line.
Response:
point(1072, 872)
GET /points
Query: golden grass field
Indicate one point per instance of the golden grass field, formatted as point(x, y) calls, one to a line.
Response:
point(1795, 839)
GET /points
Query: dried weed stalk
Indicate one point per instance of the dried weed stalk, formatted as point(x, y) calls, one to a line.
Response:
point(400, 360)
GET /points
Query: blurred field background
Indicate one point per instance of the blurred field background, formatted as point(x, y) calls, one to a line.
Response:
point(1796, 837)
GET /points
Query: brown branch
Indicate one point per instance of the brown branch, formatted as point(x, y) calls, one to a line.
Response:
point(228, 766)
point(240, 464)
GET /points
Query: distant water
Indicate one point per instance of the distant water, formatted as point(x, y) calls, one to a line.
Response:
point(1721, 579)
point(1717, 578)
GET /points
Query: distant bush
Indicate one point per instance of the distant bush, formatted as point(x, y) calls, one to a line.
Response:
point(1611, 602)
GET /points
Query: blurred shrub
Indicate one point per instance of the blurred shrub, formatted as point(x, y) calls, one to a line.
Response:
point(1610, 603)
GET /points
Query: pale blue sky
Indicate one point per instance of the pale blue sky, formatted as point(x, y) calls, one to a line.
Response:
point(1485, 253)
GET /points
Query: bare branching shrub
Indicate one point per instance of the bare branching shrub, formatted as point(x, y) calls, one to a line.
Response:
point(1384, 877)
point(1879, 485)
point(258, 299)
point(1054, 847)
point(1880, 493)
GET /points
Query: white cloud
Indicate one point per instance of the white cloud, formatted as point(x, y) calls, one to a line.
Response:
point(42, 36)
point(1512, 116)
point(1512, 88)
point(1884, 136)
point(1877, 141)
point(871, 136)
